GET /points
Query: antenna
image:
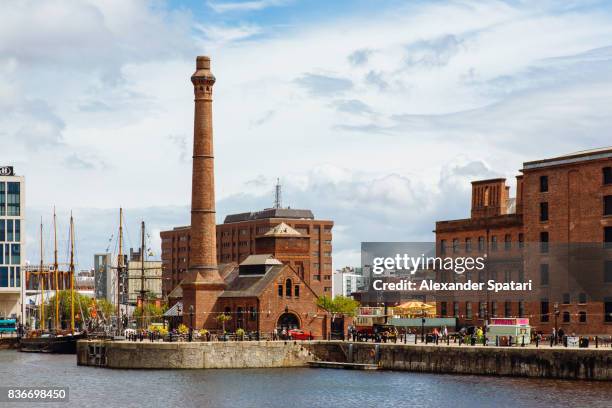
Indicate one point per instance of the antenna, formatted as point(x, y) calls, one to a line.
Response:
point(277, 195)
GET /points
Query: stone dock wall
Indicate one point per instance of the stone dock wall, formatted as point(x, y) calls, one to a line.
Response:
point(575, 364)
point(248, 354)
point(578, 364)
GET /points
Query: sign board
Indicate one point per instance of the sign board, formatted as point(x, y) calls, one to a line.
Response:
point(511, 321)
point(410, 338)
point(7, 171)
point(573, 342)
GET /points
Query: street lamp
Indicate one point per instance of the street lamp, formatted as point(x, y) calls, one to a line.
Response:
point(556, 307)
point(423, 324)
point(190, 322)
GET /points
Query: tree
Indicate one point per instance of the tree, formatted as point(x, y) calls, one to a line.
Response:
point(81, 304)
point(222, 318)
point(340, 305)
point(150, 313)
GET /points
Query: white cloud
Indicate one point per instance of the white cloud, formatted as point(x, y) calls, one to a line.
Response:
point(235, 6)
point(372, 120)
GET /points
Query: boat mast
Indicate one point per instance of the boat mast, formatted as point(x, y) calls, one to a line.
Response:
point(42, 281)
point(71, 273)
point(119, 265)
point(55, 269)
point(142, 270)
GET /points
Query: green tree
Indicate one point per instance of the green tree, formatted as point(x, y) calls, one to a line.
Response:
point(150, 313)
point(81, 307)
point(106, 308)
point(338, 306)
point(222, 318)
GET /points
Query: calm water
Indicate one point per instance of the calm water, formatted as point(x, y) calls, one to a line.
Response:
point(288, 387)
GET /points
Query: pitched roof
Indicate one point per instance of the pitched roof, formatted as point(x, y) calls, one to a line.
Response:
point(249, 285)
point(282, 230)
point(262, 259)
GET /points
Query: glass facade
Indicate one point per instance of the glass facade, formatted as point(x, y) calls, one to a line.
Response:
point(10, 234)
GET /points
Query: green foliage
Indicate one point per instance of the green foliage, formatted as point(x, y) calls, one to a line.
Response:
point(183, 329)
point(150, 312)
point(222, 318)
point(106, 307)
point(340, 305)
point(64, 306)
point(239, 332)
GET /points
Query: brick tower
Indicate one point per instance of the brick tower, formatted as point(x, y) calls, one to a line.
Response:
point(203, 283)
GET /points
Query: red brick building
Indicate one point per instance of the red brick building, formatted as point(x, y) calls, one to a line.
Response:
point(306, 245)
point(208, 268)
point(556, 232)
point(263, 295)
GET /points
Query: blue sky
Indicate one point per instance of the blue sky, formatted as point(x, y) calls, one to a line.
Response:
point(374, 114)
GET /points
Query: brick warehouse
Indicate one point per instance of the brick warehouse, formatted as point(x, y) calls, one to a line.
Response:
point(556, 232)
point(256, 268)
point(244, 234)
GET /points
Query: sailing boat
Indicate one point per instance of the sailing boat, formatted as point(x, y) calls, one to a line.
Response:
point(57, 341)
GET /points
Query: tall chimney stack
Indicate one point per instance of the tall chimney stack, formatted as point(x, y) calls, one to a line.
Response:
point(203, 283)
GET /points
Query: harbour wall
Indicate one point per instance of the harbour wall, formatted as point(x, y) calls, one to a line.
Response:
point(560, 363)
point(158, 355)
point(576, 364)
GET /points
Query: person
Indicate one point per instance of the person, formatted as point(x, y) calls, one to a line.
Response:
point(554, 335)
point(560, 335)
point(445, 332)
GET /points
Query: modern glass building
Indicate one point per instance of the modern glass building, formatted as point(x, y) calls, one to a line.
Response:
point(12, 215)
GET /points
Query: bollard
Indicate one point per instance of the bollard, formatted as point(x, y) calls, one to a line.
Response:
point(522, 341)
point(596, 342)
point(496, 341)
point(447, 340)
point(537, 340)
point(484, 340)
point(552, 340)
point(510, 341)
point(415, 339)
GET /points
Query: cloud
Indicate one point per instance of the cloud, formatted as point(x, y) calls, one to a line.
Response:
point(324, 85)
point(353, 106)
point(77, 163)
point(376, 79)
point(267, 116)
point(220, 35)
point(244, 6)
point(432, 53)
point(437, 106)
point(180, 142)
point(359, 57)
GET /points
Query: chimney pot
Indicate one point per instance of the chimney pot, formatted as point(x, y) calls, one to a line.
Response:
point(202, 62)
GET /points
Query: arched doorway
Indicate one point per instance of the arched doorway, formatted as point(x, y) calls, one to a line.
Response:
point(288, 321)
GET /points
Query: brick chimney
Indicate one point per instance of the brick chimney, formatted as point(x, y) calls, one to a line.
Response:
point(203, 283)
point(489, 198)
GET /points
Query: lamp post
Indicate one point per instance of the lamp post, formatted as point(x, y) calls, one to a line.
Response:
point(556, 307)
point(190, 322)
point(422, 324)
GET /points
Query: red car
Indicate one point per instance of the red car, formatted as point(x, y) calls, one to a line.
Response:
point(297, 334)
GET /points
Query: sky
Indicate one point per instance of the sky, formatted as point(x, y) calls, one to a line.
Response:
point(374, 114)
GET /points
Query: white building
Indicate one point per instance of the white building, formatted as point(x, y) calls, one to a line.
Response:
point(347, 280)
point(12, 216)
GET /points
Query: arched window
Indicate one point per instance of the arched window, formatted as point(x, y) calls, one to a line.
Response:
point(486, 197)
point(288, 286)
point(280, 290)
point(297, 291)
point(566, 317)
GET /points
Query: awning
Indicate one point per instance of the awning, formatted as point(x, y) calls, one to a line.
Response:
point(175, 311)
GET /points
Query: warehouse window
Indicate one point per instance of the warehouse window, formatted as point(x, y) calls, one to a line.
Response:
point(543, 184)
point(544, 211)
